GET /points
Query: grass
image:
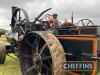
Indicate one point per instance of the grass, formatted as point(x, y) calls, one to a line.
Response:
point(10, 67)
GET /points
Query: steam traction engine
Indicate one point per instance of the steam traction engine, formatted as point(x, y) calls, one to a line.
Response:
point(44, 48)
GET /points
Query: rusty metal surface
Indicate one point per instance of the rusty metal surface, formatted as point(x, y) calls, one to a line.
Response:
point(56, 50)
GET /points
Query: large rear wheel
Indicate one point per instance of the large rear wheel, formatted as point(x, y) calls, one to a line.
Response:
point(41, 54)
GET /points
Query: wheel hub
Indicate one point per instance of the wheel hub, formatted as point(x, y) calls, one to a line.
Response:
point(37, 60)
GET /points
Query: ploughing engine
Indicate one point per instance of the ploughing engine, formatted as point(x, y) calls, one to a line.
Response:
point(44, 45)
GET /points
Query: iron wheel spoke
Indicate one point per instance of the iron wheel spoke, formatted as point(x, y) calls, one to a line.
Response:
point(28, 43)
point(47, 73)
point(46, 67)
point(47, 57)
point(88, 23)
point(83, 23)
point(19, 15)
point(43, 48)
point(22, 21)
point(22, 29)
point(15, 19)
point(31, 68)
point(39, 73)
point(37, 43)
point(37, 47)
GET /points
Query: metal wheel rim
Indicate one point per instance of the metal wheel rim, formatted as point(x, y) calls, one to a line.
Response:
point(42, 59)
point(57, 53)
